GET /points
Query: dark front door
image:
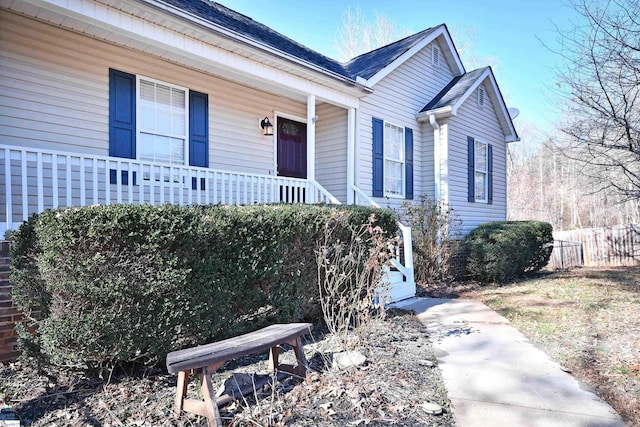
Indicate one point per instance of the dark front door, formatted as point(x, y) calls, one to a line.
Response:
point(292, 148)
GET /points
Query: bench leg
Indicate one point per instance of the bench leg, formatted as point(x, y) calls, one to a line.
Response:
point(274, 353)
point(181, 392)
point(301, 367)
point(302, 360)
point(211, 407)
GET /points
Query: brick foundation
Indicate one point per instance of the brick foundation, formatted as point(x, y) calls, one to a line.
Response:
point(458, 261)
point(9, 314)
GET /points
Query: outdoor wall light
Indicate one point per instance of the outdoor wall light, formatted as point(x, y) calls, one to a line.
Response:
point(266, 125)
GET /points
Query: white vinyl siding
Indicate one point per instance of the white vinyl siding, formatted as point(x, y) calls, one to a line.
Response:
point(481, 124)
point(56, 96)
point(331, 150)
point(394, 179)
point(397, 98)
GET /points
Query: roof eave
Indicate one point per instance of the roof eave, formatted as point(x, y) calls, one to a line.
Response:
point(233, 35)
point(439, 113)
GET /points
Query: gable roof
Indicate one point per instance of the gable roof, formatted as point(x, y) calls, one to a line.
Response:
point(242, 25)
point(370, 63)
point(370, 67)
point(364, 70)
point(453, 95)
point(375, 65)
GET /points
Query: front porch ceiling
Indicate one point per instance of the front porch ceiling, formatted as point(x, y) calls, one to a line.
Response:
point(139, 26)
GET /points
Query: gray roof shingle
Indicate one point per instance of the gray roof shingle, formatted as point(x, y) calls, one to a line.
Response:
point(456, 88)
point(365, 65)
point(245, 26)
point(369, 64)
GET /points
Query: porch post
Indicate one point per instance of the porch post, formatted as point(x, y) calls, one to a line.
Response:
point(440, 159)
point(311, 137)
point(444, 163)
point(436, 156)
point(351, 149)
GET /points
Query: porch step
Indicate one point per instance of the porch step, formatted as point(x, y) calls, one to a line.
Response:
point(4, 248)
point(396, 287)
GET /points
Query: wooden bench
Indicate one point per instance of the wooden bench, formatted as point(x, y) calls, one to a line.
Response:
point(204, 360)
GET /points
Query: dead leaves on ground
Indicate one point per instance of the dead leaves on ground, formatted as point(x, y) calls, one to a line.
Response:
point(389, 390)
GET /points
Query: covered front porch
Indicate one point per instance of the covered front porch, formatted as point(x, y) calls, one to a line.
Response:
point(58, 147)
point(34, 180)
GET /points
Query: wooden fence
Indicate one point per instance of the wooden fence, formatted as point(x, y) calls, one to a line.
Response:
point(596, 247)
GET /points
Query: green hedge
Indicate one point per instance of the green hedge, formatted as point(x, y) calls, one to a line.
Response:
point(129, 283)
point(503, 251)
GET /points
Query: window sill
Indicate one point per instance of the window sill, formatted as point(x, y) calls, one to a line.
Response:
point(394, 196)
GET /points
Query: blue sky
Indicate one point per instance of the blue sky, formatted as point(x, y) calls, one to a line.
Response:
point(513, 32)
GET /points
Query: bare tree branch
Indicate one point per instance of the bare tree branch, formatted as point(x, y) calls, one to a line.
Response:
point(602, 75)
point(356, 35)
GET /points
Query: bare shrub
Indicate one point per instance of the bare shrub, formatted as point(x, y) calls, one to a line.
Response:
point(435, 234)
point(350, 262)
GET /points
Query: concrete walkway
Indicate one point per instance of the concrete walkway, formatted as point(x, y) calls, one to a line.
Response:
point(496, 377)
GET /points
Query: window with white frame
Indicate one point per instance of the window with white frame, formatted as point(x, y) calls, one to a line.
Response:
point(162, 122)
point(394, 160)
point(481, 171)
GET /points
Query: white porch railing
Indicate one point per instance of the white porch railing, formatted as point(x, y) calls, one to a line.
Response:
point(404, 264)
point(32, 180)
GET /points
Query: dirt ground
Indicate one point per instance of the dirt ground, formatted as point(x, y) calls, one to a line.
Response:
point(398, 378)
point(587, 319)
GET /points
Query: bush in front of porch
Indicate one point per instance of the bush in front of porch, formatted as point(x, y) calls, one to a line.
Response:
point(129, 283)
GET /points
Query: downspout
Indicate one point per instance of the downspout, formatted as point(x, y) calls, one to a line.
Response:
point(437, 172)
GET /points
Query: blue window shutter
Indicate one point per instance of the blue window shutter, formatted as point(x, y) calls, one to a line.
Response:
point(378, 157)
point(198, 129)
point(122, 114)
point(489, 174)
point(194, 183)
point(471, 165)
point(408, 163)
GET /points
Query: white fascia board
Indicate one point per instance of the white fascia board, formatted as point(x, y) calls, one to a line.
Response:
point(422, 117)
point(503, 107)
point(441, 31)
point(439, 113)
point(114, 20)
point(454, 52)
